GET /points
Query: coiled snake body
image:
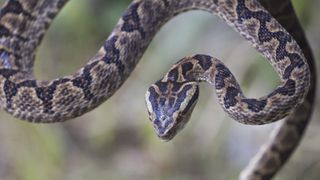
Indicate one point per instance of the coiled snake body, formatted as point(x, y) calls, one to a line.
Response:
point(170, 100)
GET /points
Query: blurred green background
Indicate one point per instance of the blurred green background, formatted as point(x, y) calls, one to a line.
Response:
point(116, 141)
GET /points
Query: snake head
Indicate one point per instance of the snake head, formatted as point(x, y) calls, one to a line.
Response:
point(170, 105)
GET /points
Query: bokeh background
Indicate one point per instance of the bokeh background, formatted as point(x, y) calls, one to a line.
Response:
point(116, 141)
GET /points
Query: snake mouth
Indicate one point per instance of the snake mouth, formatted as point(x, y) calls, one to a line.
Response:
point(167, 135)
point(164, 128)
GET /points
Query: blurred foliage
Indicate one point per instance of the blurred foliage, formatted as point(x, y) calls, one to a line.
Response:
point(116, 140)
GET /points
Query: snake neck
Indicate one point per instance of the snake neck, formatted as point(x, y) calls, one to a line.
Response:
point(204, 68)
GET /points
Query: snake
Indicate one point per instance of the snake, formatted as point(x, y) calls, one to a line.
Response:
point(169, 101)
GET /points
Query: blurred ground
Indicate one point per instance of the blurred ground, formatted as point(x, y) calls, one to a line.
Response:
point(116, 140)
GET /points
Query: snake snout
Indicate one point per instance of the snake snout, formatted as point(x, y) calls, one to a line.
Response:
point(163, 127)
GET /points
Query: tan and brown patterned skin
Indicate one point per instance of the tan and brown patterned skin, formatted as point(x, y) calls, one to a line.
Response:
point(24, 22)
point(287, 136)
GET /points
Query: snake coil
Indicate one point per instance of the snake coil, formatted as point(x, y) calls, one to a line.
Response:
point(170, 100)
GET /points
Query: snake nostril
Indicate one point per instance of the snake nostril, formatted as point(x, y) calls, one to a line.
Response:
point(162, 118)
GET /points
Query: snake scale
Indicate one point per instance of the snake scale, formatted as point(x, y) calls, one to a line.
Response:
point(170, 100)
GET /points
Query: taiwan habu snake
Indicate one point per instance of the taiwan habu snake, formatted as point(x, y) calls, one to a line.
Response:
point(170, 100)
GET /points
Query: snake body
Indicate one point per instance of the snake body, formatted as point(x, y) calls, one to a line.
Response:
point(170, 100)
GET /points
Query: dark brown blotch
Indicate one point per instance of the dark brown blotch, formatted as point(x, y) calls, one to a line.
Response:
point(255, 105)
point(186, 68)
point(132, 21)
point(230, 97)
point(221, 75)
point(204, 61)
